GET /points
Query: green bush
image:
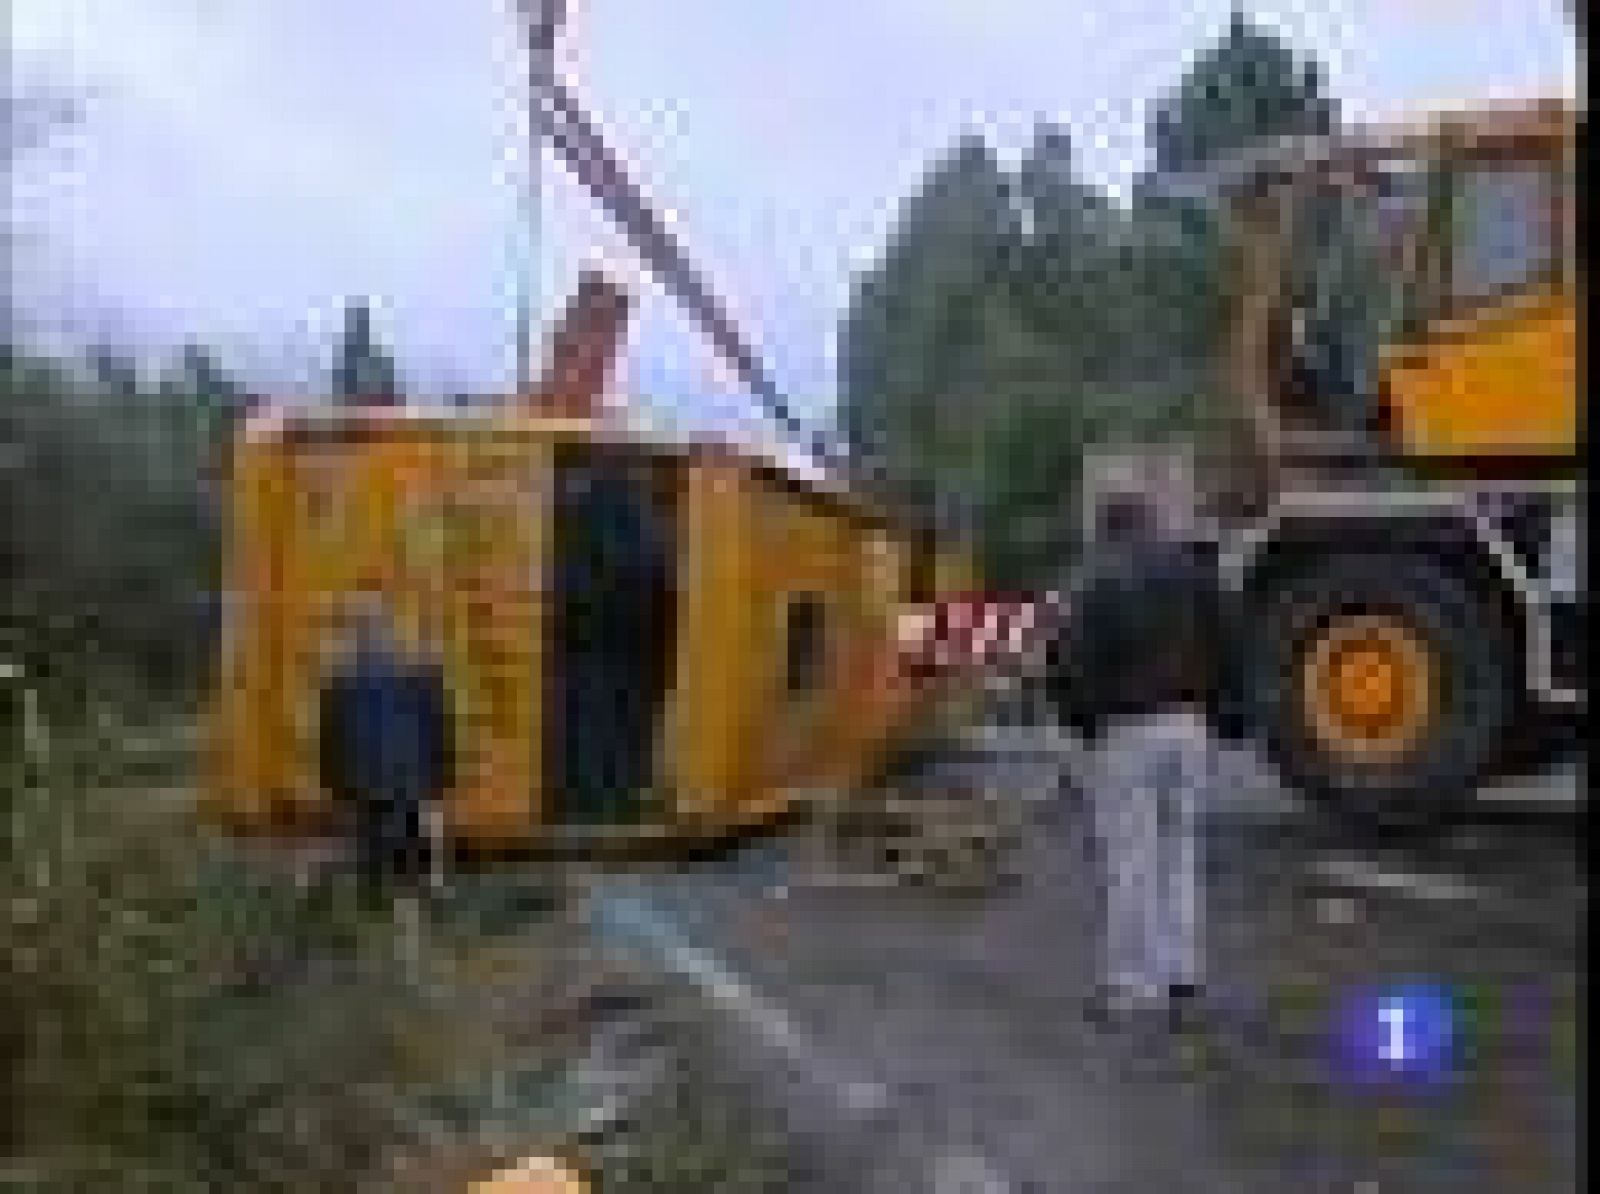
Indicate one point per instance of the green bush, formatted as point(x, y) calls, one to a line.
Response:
point(142, 1057)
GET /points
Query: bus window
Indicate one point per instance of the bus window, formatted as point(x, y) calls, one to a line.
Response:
point(805, 645)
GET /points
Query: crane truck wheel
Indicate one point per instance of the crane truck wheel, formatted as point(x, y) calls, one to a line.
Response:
point(1382, 686)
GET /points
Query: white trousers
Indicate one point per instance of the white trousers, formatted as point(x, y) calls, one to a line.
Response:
point(1148, 781)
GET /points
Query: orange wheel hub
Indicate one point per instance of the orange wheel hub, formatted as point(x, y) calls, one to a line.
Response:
point(1368, 685)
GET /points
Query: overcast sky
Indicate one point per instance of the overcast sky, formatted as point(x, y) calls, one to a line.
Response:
point(247, 163)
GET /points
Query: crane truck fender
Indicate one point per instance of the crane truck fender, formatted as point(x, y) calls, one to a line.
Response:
point(1457, 527)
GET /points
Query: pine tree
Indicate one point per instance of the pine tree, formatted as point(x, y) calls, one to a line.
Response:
point(114, 371)
point(207, 402)
point(363, 371)
point(1062, 209)
point(1247, 88)
point(912, 345)
point(1012, 324)
point(1065, 283)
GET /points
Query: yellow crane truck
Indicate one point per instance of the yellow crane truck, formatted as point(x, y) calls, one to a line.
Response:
point(1400, 511)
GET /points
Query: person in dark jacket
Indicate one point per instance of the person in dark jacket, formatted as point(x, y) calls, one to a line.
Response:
point(1150, 627)
point(1137, 673)
point(387, 749)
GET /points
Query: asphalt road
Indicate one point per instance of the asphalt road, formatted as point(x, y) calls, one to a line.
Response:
point(916, 1041)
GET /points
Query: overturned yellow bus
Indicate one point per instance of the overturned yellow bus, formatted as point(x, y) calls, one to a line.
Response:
point(780, 678)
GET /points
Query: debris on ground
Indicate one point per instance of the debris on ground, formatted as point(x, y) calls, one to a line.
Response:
point(939, 820)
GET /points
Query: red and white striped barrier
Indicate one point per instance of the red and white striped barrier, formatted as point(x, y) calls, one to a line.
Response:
point(971, 634)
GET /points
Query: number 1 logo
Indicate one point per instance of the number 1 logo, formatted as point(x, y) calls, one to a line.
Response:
point(1395, 1018)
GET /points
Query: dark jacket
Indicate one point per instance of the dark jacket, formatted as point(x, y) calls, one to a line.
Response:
point(1150, 629)
point(386, 733)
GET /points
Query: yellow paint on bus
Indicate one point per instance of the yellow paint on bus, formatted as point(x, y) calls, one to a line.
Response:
point(449, 517)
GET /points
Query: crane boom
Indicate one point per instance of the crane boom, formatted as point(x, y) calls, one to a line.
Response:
point(581, 146)
point(558, 117)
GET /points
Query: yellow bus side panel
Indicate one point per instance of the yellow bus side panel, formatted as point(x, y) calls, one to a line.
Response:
point(710, 709)
point(449, 526)
point(872, 574)
point(803, 551)
point(477, 537)
point(453, 525)
point(242, 733)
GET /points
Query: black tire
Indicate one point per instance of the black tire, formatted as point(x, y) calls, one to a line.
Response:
point(1476, 693)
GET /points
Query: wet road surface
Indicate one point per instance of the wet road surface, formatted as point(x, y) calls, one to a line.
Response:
point(922, 1041)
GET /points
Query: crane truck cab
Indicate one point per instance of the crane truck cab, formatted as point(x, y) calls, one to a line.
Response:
point(1399, 514)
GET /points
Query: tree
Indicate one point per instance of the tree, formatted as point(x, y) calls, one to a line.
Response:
point(1170, 309)
point(1065, 283)
point(215, 395)
point(1014, 324)
point(202, 404)
point(918, 392)
point(114, 370)
point(1062, 209)
point(911, 348)
point(363, 371)
point(1247, 88)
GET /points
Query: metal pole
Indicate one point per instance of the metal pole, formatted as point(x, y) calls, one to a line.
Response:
point(543, 19)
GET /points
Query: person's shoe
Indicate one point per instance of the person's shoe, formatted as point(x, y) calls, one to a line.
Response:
point(1184, 996)
point(1190, 1009)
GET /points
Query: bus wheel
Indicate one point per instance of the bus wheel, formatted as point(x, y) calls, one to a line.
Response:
point(1383, 687)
